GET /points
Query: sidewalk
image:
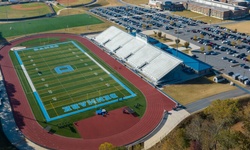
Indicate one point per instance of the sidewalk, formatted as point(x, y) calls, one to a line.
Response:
point(172, 120)
point(192, 46)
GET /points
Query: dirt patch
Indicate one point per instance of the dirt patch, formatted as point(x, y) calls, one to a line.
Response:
point(184, 93)
point(241, 27)
point(20, 7)
point(238, 127)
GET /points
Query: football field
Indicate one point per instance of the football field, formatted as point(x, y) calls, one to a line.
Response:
point(66, 80)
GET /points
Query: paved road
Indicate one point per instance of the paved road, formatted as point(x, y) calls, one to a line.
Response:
point(203, 103)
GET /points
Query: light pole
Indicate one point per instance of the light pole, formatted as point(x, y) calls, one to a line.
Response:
point(177, 41)
point(24, 27)
point(127, 10)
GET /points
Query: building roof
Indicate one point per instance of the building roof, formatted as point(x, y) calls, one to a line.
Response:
point(218, 5)
point(189, 60)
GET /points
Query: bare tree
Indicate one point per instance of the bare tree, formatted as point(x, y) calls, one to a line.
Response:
point(186, 44)
point(159, 34)
point(177, 41)
point(155, 33)
point(164, 37)
point(202, 49)
point(195, 37)
point(201, 36)
point(209, 48)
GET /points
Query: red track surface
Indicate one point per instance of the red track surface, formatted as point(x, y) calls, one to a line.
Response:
point(156, 103)
point(113, 123)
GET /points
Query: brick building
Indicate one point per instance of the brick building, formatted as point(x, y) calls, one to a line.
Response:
point(166, 5)
point(216, 9)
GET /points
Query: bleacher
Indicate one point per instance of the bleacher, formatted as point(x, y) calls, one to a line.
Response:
point(154, 70)
point(150, 61)
point(130, 48)
point(107, 35)
point(142, 56)
point(118, 41)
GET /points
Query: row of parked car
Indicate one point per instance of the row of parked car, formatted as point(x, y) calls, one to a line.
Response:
point(219, 38)
point(142, 18)
point(242, 78)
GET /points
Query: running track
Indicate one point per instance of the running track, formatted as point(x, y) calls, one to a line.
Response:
point(156, 103)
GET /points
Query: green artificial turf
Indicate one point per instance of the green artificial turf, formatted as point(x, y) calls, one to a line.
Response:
point(74, 83)
point(47, 24)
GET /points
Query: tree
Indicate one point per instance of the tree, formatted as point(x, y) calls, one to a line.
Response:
point(176, 140)
point(202, 49)
point(238, 42)
point(137, 147)
point(233, 43)
point(164, 37)
point(228, 139)
point(106, 146)
point(186, 44)
point(224, 112)
point(209, 48)
point(159, 34)
point(155, 33)
point(195, 37)
point(201, 36)
point(171, 22)
point(177, 41)
point(194, 130)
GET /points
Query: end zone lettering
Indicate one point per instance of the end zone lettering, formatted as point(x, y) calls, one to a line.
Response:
point(90, 102)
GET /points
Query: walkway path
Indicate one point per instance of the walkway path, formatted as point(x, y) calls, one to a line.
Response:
point(170, 121)
point(203, 103)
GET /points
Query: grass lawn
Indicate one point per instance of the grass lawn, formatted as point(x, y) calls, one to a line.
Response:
point(188, 14)
point(196, 89)
point(175, 46)
point(243, 27)
point(73, 2)
point(81, 29)
point(197, 16)
point(58, 126)
point(106, 3)
point(186, 51)
point(48, 24)
point(24, 10)
point(136, 2)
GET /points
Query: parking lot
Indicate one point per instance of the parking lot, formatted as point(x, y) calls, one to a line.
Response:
point(224, 49)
